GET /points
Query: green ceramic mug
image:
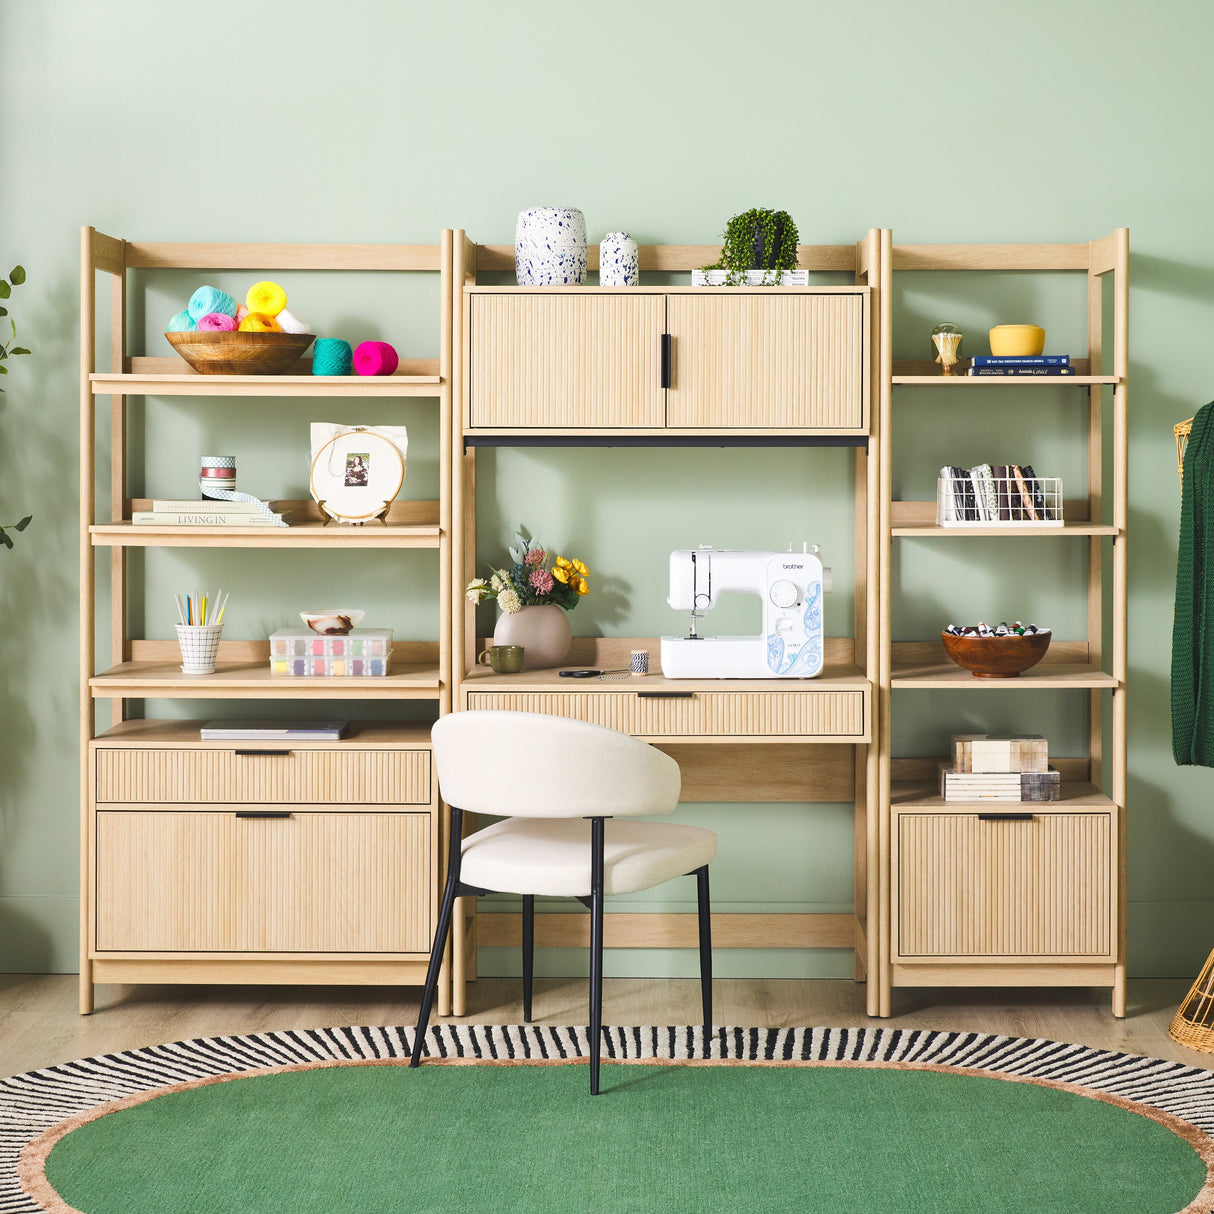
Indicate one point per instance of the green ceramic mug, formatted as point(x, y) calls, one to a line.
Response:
point(505, 659)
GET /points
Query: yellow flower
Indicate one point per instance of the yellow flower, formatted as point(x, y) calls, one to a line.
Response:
point(561, 563)
point(582, 586)
point(561, 574)
point(580, 567)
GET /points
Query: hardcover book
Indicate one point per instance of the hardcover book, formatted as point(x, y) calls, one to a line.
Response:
point(204, 518)
point(1021, 371)
point(272, 731)
point(1021, 360)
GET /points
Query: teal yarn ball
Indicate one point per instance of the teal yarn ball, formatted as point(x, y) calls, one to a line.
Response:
point(183, 322)
point(331, 356)
point(210, 299)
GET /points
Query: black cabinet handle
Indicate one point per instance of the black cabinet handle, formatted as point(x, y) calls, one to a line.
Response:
point(666, 695)
point(261, 752)
point(665, 360)
point(1008, 817)
point(263, 813)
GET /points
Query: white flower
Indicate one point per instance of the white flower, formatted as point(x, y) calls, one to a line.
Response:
point(509, 601)
point(476, 590)
point(497, 582)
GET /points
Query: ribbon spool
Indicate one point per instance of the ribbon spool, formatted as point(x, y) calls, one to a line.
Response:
point(375, 358)
point(217, 482)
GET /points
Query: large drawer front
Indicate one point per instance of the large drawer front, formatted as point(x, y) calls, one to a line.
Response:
point(710, 713)
point(319, 777)
point(973, 888)
point(310, 882)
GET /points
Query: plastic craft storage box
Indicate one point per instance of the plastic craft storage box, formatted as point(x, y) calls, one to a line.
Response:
point(338, 667)
point(358, 643)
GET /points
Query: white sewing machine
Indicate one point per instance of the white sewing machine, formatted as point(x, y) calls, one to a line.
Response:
point(791, 585)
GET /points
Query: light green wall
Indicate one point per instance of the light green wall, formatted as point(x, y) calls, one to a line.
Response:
point(380, 121)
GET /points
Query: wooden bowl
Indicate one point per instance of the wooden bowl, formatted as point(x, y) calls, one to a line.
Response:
point(240, 353)
point(993, 657)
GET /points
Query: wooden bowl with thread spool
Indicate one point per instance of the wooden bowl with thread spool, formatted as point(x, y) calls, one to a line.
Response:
point(993, 657)
point(237, 353)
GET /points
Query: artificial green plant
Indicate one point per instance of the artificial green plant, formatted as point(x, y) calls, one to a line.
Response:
point(742, 232)
point(8, 349)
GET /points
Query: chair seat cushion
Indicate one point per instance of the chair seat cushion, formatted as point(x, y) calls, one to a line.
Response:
point(552, 855)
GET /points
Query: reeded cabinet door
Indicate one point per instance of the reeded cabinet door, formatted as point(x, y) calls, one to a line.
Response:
point(792, 360)
point(566, 360)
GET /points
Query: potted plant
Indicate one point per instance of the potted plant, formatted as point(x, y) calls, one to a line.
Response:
point(534, 592)
point(756, 240)
point(8, 349)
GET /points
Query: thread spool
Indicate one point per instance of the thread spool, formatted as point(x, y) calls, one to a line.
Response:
point(217, 475)
point(639, 663)
point(210, 299)
point(375, 358)
point(259, 322)
point(288, 322)
point(266, 297)
point(331, 356)
point(182, 322)
point(216, 322)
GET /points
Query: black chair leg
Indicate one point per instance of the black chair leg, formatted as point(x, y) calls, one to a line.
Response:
point(528, 953)
point(440, 935)
point(596, 950)
point(705, 952)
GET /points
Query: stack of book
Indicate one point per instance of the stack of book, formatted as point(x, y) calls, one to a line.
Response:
point(272, 731)
point(1037, 364)
point(203, 513)
point(1000, 767)
point(997, 493)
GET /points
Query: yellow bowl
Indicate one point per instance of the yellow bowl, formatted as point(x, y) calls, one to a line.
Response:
point(1017, 341)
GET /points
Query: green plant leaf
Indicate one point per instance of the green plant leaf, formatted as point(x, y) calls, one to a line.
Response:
point(17, 275)
point(3, 310)
point(25, 522)
point(3, 369)
point(5, 289)
point(18, 350)
point(5, 538)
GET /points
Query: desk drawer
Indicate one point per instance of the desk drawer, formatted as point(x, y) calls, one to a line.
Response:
point(697, 713)
point(233, 775)
point(303, 882)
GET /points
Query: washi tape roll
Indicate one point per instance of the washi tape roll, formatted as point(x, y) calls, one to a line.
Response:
point(375, 358)
point(217, 481)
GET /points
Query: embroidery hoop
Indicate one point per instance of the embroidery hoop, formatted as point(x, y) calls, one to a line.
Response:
point(356, 504)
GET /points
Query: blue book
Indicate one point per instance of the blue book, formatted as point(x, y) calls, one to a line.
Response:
point(1028, 360)
point(1012, 371)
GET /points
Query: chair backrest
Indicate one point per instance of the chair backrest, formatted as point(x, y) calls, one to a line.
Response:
point(530, 765)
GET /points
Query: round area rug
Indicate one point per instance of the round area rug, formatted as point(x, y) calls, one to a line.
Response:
point(817, 1120)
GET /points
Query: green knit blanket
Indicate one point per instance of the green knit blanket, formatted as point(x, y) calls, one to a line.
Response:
point(1193, 623)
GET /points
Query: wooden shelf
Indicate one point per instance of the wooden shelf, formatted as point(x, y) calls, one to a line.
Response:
point(361, 735)
point(834, 677)
point(242, 680)
point(298, 535)
point(1075, 795)
point(918, 372)
point(1012, 532)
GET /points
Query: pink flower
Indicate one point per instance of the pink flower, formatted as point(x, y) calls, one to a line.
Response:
point(535, 557)
point(541, 579)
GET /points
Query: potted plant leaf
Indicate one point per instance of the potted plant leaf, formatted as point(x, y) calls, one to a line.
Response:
point(756, 240)
point(8, 349)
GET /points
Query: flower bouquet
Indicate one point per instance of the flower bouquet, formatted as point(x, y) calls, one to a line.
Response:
point(534, 579)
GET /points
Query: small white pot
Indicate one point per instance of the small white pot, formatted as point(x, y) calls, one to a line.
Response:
point(619, 262)
point(551, 225)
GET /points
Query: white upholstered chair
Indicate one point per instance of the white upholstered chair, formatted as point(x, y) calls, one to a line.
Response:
point(556, 782)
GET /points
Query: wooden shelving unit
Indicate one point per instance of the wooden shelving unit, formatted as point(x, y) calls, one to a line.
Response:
point(1063, 924)
point(321, 869)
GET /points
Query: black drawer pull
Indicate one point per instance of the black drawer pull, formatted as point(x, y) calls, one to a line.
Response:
point(1008, 817)
point(261, 752)
point(263, 813)
point(665, 360)
point(666, 695)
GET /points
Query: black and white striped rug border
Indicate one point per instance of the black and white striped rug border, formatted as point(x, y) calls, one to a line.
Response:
point(35, 1101)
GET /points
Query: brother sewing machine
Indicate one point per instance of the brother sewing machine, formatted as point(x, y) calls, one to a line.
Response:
point(791, 585)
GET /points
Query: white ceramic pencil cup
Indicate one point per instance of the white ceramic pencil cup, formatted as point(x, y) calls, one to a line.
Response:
point(199, 647)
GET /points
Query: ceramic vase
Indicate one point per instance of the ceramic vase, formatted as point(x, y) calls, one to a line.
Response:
point(550, 247)
point(542, 630)
point(619, 264)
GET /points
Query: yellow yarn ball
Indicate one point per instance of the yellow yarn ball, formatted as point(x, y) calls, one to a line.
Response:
point(259, 322)
point(266, 297)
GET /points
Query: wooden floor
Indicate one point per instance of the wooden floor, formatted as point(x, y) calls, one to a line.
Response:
point(39, 1023)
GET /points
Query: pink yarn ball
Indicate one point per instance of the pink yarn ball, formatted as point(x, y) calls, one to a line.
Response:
point(375, 358)
point(217, 322)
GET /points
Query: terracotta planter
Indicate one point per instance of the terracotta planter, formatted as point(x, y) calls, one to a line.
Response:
point(543, 632)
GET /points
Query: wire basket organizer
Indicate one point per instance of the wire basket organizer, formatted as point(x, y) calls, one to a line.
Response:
point(1014, 502)
point(1193, 1024)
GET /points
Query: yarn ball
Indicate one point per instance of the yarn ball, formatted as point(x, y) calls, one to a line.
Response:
point(210, 299)
point(183, 322)
point(266, 297)
point(217, 322)
point(259, 322)
point(241, 312)
point(375, 358)
point(331, 356)
point(288, 322)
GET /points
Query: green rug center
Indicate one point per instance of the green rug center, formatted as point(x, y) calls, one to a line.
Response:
point(680, 1140)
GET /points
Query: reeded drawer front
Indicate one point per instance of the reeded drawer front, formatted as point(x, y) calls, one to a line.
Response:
point(711, 713)
point(310, 882)
point(354, 777)
point(972, 888)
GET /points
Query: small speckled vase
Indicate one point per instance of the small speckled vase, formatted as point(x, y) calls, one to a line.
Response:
point(550, 247)
point(619, 265)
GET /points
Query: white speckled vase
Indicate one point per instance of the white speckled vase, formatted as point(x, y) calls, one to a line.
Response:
point(619, 264)
point(550, 247)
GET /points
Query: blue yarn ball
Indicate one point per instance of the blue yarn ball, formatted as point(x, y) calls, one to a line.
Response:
point(331, 356)
point(183, 322)
point(210, 299)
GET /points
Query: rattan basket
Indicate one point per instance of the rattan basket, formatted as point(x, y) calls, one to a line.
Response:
point(1193, 1024)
